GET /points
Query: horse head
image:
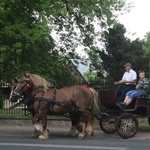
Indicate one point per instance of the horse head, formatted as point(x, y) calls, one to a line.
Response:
point(13, 97)
point(23, 85)
point(28, 82)
point(19, 86)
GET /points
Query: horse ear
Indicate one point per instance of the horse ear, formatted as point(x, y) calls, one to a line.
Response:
point(26, 75)
point(16, 80)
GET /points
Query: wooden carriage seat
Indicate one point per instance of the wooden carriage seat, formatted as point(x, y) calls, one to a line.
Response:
point(107, 97)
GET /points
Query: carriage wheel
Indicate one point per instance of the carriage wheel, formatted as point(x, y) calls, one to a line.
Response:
point(127, 126)
point(108, 124)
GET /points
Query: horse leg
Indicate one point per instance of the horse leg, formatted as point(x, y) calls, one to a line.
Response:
point(35, 133)
point(75, 122)
point(72, 130)
point(44, 135)
point(88, 126)
point(83, 133)
point(38, 127)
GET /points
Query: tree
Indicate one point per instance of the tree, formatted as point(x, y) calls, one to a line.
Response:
point(146, 47)
point(75, 23)
point(26, 42)
point(120, 50)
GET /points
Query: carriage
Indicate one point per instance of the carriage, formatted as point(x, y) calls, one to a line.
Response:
point(82, 105)
point(123, 121)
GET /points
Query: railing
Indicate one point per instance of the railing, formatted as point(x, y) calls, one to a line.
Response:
point(5, 104)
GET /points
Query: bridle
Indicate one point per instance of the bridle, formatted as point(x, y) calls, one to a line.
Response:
point(21, 90)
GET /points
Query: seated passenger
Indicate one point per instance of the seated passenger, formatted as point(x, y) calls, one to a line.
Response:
point(128, 80)
point(141, 89)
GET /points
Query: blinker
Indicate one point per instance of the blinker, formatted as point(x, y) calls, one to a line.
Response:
point(29, 86)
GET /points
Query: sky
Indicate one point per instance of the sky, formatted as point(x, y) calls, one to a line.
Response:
point(137, 21)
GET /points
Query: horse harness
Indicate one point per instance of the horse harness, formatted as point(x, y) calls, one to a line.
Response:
point(51, 101)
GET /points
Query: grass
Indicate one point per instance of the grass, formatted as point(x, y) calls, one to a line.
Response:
point(12, 113)
point(144, 127)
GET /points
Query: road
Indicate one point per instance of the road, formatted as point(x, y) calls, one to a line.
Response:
point(19, 138)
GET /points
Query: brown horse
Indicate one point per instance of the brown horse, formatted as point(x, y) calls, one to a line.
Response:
point(28, 100)
point(79, 102)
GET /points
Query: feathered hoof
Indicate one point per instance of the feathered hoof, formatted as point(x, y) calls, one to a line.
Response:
point(41, 137)
point(81, 136)
point(71, 134)
point(34, 135)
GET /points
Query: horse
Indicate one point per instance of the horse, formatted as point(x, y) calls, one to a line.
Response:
point(81, 103)
point(28, 100)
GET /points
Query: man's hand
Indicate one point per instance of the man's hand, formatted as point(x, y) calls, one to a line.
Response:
point(120, 82)
point(116, 82)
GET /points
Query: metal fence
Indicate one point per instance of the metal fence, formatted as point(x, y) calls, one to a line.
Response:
point(5, 104)
point(21, 110)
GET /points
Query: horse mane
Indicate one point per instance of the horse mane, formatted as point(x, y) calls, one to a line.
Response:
point(39, 82)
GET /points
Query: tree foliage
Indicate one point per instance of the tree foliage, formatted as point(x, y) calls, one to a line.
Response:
point(146, 45)
point(26, 26)
point(120, 50)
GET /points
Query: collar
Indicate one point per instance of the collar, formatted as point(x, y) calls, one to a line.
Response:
point(129, 71)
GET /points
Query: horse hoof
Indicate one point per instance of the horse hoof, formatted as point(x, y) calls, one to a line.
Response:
point(34, 135)
point(70, 134)
point(92, 134)
point(81, 136)
point(41, 137)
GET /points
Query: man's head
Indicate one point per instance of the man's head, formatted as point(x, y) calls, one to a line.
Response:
point(127, 66)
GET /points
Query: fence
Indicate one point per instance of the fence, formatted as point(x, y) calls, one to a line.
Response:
point(5, 104)
point(21, 110)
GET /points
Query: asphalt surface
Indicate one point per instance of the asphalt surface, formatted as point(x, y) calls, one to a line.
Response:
point(18, 137)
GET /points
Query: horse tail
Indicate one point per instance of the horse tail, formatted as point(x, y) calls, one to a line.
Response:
point(95, 107)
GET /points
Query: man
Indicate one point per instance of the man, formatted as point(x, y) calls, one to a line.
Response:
point(128, 80)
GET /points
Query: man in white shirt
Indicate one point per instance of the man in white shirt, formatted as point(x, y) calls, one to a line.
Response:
point(128, 80)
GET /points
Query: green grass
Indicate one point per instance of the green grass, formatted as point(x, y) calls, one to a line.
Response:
point(144, 127)
point(14, 113)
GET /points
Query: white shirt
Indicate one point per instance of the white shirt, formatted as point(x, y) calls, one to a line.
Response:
point(129, 76)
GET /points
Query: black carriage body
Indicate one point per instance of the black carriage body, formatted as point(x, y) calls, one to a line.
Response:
point(116, 116)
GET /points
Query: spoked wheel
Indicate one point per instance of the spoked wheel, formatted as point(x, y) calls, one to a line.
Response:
point(127, 126)
point(108, 124)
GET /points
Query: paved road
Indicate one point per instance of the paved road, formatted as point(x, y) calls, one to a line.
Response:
point(19, 138)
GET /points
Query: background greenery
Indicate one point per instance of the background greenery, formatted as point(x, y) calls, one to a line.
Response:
point(27, 43)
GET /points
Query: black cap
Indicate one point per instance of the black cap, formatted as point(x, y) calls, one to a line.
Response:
point(127, 64)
